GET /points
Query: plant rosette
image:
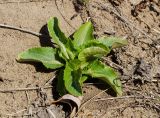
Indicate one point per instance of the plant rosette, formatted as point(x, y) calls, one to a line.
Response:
point(77, 58)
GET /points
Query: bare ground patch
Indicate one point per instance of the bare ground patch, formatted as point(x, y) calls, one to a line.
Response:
point(138, 63)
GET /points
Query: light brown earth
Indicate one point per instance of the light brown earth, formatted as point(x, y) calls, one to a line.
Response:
point(138, 62)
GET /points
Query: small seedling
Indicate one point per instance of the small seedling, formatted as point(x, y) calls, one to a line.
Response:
point(78, 57)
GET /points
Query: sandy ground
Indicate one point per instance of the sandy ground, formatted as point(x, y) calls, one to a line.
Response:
point(138, 63)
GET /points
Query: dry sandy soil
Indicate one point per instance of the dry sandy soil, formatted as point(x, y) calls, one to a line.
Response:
point(138, 63)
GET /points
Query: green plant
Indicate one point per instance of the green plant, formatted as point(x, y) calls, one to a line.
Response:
point(83, 1)
point(78, 57)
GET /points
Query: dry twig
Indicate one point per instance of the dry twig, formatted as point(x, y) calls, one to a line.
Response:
point(51, 113)
point(50, 80)
point(85, 103)
point(24, 89)
point(21, 29)
point(63, 15)
point(125, 97)
point(125, 20)
point(157, 31)
point(13, 114)
point(21, 2)
point(112, 64)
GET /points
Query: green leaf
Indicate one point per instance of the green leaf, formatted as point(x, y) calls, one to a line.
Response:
point(55, 31)
point(71, 81)
point(83, 79)
point(99, 70)
point(58, 37)
point(93, 52)
point(83, 35)
point(72, 52)
point(45, 55)
point(113, 42)
point(74, 64)
point(60, 85)
point(83, 2)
